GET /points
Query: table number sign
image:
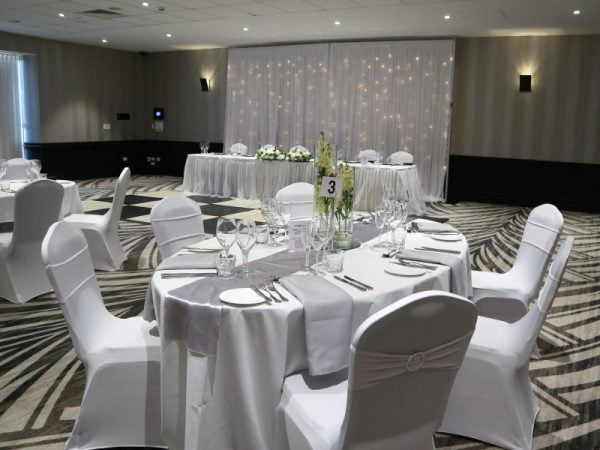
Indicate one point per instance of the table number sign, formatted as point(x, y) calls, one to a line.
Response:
point(297, 229)
point(331, 187)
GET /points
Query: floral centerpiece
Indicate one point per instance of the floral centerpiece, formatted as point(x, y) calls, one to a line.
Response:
point(269, 152)
point(344, 206)
point(298, 154)
point(324, 167)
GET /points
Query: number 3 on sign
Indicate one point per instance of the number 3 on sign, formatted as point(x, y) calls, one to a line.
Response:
point(331, 187)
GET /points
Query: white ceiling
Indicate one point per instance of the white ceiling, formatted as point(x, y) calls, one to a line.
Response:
point(196, 24)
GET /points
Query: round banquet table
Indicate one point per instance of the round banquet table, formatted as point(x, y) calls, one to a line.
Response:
point(71, 201)
point(228, 400)
point(249, 178)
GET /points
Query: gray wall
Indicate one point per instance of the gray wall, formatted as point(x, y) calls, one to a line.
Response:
point(172, 82)
point(558, 121)
point(81, 87)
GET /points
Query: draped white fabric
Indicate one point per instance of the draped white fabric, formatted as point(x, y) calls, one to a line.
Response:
point(11, 139)
point(388, 96)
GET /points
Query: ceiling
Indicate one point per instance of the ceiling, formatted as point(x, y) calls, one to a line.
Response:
point(195, 24)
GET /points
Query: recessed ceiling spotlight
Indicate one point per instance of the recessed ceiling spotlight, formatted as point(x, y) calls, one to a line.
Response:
point(576, 12)
point(104, 41)
point(146, 4)
point(169, 35)
point(245, 28)
point(337, 22)
point(61, 14)
point(447, 17)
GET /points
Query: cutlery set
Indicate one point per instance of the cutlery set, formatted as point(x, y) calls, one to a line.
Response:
point(270, 293)
point(168, 275)
point(354, 283)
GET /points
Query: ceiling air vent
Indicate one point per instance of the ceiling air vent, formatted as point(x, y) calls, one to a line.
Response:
point(101, 13)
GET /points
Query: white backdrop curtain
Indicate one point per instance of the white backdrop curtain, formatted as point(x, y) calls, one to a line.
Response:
point(11, 139)
point(388, 96)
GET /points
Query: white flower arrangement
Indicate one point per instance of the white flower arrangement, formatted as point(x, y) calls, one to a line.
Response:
point(269, 152)
point(299, 154)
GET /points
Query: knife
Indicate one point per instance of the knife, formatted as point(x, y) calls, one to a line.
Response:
point(365, 285)
point(441, 250)
point(354, 285)
point(268, 301)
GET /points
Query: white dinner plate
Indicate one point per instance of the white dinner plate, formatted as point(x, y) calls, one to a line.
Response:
point(446, 237)
point(404, 271)
point(241, 297)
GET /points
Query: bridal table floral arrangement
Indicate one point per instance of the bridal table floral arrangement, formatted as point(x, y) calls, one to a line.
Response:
point(271, 152)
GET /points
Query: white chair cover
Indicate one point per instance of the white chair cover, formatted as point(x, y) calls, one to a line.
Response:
point(492, 399)
point(298, 199)
point(176, 222)
point(121, 401)
point(400, 158)
point(238, 149)
point(367, 155)
point(16, 169)
point(22, 276)
point(101, 231)
point(506, 296)
point(403, 362)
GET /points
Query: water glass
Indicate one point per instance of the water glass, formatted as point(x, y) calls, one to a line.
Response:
point(225, 265)
point(334, 260)
point(226, 231)
point(262, 234)
point(268, 208)
point(320, 233)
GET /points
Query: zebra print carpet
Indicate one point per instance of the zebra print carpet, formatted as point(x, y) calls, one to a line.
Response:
point(41, 380)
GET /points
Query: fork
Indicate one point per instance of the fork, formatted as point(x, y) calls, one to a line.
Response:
point(267, 294)
point(271, 288)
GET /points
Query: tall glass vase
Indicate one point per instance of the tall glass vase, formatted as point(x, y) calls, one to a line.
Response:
point(344, 207)
point(325, 160)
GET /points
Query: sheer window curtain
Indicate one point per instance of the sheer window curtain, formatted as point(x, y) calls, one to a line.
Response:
point(11, 135)
point(388, 96)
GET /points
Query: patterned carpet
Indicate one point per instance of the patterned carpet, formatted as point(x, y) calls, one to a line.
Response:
point(41, 380)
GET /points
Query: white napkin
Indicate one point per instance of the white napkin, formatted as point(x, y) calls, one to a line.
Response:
point(430, 226)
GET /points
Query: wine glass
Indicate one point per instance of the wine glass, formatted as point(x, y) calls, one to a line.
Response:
point(226, 233)
point(404, 199)
point(380, 223)
point(3, 169)
point(246, 238)
point(284, 210)
point(268, 208)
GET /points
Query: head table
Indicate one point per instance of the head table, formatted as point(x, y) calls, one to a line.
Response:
point(249, 178)
point(71, 202)
point(223, 393)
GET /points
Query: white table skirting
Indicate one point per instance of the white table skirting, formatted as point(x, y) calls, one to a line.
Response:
point(71, 202)
point(247, 177)
point(229, 401)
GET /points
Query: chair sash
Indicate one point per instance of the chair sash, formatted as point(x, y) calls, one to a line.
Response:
point(182, 230)
point(72, 274)
point(540, 236)
point(372, 368)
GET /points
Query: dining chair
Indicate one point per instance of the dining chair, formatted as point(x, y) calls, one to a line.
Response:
point(298, 198)
point(101, 231)
point(367, 155)
point(22, 276)
point(492, 399)
point(176, 222)
point(16, 169)
point(238, 149)
point(121, 400)
point(506, 296)
point(403, 361)
point(400, 158)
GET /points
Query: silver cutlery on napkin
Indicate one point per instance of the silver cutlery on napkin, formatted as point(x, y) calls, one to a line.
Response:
point(165, 276)
point(365, 285)
point(440, 250)
point(354, 285)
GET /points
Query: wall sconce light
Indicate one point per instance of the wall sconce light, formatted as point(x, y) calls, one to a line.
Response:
point(204, 84)
point(524, 83)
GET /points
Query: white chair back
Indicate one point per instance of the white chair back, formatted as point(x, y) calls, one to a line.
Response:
point(71, 273)
point(176, 222)
point(403, 364)
point(238, 149)
point(367, 155)
point(37, 206)
point(400, 158)
point(527, 329)
point(542, 231)
point(297, 199)
point(16, 169)
point(114, 213)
